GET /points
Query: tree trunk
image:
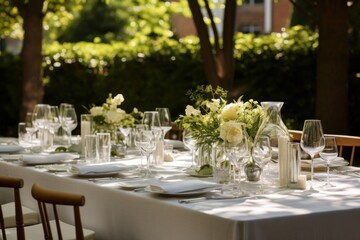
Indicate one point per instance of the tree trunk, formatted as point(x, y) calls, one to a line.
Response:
point(332, 66)
point(31, 54)
point(218, 61)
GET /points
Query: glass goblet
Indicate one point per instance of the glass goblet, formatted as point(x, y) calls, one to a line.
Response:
point(312, 142)
point(30, 127)
point(261, 154)
point(165, 119)
point(237, 150)
point(145, 140)
point(40, 119)
point(69, 121)
point(54, 121)
point(329, 153)
point(190, 142)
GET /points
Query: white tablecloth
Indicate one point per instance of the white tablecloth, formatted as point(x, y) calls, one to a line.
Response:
point(114, 213)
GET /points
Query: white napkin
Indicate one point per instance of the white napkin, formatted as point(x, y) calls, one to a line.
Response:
point(10, 148)
point(182, 186)
point(175, 143)
point(319, 162)
point(104, 168)
point(43, 158)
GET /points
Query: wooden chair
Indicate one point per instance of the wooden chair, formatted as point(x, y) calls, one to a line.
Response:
point(175, 132)
point(16, 184)
point(45, 229)
point(54, 198)
point(344, 142)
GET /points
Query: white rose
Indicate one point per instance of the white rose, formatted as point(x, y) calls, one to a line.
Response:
point(229, 112)
point(96, 111)
point(190, 110)
point(114, 116)
point(213, 105)
point(118, 99)
point(231, 132)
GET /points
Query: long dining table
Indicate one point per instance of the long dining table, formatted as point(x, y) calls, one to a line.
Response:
point(116, 211)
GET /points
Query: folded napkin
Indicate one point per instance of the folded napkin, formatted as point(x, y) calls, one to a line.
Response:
point(43, 158)
point(8, 148)
point(175, 143)
point(104, 168)
point(319, 162)
point(182, 186)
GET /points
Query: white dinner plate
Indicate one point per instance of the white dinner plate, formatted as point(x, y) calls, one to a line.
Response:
point(10, 148)
point(188, 193)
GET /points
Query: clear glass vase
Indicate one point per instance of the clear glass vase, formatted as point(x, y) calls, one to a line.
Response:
point(272, 126)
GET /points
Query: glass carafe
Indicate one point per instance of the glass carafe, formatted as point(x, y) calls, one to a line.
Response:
point(272, 126)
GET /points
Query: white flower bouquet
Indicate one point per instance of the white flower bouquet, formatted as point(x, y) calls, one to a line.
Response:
point(109, 117)
point(212, 119)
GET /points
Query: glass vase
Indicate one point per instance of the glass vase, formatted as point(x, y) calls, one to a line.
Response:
point(272, 126)
point(203, 155)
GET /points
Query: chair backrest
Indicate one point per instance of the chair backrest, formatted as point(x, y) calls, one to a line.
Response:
point(16, 184)
point(343, 141)
point(175, 132)
point(54, 198)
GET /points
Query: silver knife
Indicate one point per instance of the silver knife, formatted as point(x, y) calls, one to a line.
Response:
point(210, 197)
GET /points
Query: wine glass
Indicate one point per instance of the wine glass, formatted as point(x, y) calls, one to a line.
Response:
point(237, 151)
point(261, 154)
point(125, 131)
point(40, 119)
point(165, 119)
point(329, 153)
point(30, 127)
point(312, 142)
point(145, 140)
point(69, 121)
point(54, 120)
point(190, 142)
point(62, 131)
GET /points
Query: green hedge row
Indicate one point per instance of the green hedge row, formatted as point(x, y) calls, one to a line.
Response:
point(158, 73)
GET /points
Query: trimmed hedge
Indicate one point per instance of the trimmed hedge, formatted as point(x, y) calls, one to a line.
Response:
point(158, 73)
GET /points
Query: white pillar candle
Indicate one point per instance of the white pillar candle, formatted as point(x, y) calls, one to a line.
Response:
point(283, 161)
point(301, 183)
point(85, 129)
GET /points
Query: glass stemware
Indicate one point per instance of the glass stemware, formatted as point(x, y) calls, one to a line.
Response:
point(145, 140)
point(312, 142)
point(30, 127)
point(62, 131)
point(261, 154)
point(125, 131)
point(40, 119)
point(69, 121)
point(54, 121)
point(151, 121)
point(190, 143)
point(237, 150)
point(329, 153)
point(165, 119)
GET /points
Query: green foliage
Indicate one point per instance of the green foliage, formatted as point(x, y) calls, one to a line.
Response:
point(97, 20)
point(157, 73)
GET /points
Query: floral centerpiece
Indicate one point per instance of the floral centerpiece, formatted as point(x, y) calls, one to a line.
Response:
point(210, 118)
point(109, 117)
point(213, 120)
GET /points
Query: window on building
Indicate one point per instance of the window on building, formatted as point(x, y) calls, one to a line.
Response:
point(250, 29)
point(253, 2)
